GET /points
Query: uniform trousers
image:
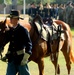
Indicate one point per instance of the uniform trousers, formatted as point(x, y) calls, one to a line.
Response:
point(13, 69)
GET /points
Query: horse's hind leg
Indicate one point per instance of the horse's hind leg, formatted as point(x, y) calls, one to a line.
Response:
point(68, 62)
point(67, 57)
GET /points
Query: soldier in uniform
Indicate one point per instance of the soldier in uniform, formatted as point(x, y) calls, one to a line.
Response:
point(68, 11)
point(32, 10)
point(61, 13)
point(39, 9)
point(19, 48)
point(72, 16)
point(47, 11)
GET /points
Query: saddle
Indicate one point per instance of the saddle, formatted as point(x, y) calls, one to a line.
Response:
point(46, 31)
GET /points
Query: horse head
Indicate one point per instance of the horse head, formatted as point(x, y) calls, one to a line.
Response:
point(2, 34)
point(2, 26)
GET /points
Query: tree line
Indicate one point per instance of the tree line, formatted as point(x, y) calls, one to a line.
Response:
point(36, 1)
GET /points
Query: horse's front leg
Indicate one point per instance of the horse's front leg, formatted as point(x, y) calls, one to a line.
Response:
point(68, 68)
point(56, 65)
point(41, 66)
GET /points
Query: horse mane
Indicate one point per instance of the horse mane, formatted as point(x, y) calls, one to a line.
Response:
point(38, 18)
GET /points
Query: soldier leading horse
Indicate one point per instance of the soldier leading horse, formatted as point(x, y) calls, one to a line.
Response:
point(41, 48)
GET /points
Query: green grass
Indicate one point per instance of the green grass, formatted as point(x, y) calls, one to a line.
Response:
point(49, 68)
point(72, 31)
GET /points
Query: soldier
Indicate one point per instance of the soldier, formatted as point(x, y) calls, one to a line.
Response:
point(32, 10)
point(55, 11)
point(68, 10)
point(39, 9)
point(72, 16)
point(61, 13)
point(52, 11)
point(19, 48)
point(47, 11)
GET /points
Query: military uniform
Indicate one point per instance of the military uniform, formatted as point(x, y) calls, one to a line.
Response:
point(72, 18)
point(47, 12)
point(61, 13)
point(32, 12)
point(19, 43)
point(39, 11)
point(68, 11)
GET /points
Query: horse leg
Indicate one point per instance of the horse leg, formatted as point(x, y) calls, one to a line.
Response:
point(66, 52)
point(68, 62)
point(40, 63)
point(54, 61)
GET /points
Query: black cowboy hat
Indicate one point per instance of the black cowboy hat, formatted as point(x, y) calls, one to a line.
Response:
point(14, 14)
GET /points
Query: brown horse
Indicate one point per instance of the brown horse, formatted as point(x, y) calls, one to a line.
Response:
point(40, 46)
point(2, 31)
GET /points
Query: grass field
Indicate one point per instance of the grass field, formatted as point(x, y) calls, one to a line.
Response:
point(49, 68)
point(72, 30)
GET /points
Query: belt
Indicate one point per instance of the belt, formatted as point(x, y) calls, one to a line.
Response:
point(17, 52)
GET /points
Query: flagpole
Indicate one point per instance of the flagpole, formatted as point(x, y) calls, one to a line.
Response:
point(24, 8)
point(4, 7)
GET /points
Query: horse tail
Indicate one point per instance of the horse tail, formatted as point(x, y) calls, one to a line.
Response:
point(69, 43)
point(72, 56)
point(69, 47)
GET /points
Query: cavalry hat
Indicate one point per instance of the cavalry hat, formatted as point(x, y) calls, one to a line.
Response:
point(14, 14)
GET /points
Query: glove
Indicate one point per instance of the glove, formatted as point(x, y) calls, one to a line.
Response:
point(25, 59)
point(4, 59)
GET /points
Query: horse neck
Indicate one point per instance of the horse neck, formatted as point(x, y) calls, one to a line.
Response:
point(35, 37)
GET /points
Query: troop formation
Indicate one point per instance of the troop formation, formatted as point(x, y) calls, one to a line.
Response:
point(64, 12)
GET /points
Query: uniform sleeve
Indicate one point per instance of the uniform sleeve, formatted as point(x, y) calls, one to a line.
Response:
point(28, 42)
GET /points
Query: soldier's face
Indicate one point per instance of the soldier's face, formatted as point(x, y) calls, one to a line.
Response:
point(14, 21)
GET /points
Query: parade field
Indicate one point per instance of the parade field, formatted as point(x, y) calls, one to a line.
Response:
point(49, 68)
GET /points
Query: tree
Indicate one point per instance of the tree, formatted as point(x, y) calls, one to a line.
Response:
point(36, 1)
point(1, 1)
